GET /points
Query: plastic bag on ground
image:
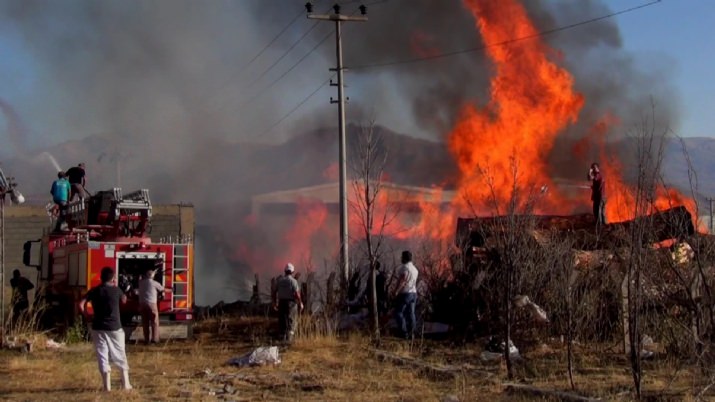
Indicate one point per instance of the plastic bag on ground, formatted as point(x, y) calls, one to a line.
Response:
point(495, 350)
point(52, 345)
point(537, 313)
point(259, 357)
point(647, 347)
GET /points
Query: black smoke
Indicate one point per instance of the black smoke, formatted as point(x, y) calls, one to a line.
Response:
point(160, 94)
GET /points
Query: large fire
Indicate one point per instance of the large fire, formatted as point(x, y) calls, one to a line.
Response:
point(502, 148)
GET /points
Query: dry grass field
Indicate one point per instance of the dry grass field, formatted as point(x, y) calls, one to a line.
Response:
point(321, 369)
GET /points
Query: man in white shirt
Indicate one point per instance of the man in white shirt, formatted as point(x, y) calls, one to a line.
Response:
point(406, 296)
point(149, 289)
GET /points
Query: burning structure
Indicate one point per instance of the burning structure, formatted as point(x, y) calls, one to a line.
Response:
point(509, 115)
point(503, 149)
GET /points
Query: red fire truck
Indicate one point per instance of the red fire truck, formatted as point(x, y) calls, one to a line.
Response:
point(110, 229)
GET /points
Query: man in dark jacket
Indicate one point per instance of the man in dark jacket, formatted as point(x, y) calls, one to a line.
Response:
point(107, 331)
point(598, 193)
point(20, 287)
point(76, 177)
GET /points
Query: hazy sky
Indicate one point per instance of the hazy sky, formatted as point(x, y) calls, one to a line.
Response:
point(677, 35)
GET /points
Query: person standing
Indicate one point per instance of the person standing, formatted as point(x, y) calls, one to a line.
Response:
point(149, 290)
point(107, 332)
point(288, 301)
point(380, 288)
point(406, 298)
point(363, 299)
point(598, 193)
point(76, 177)
point(60, 195)
point(20, 286)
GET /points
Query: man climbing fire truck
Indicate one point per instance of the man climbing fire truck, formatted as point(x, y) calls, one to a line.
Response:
point(111, 229)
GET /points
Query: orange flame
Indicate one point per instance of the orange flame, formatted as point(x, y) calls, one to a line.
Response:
point(310, 220)
point(331, 172)
point(503, 147)
point(621, 205)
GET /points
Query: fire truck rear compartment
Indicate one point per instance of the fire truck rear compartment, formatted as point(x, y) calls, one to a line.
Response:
point(173, 324)
point(132, 269)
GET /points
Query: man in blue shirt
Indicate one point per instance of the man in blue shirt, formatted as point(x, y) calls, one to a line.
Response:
point(60, 195)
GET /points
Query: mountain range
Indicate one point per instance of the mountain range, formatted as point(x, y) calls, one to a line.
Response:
point(223, 172)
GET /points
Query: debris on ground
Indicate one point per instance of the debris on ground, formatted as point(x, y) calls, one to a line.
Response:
point(431, 370)
point(226, 386)
point(683, 253)
point(52, 345)
point(647, 347)
point(259, 357)
point(495, 350)
point(529, 390)
point(537, 313)
point(20, 345)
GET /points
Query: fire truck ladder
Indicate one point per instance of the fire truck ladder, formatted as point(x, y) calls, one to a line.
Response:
point(136, 201)
point(109, 209)
point(180, 293)
point(77, 212)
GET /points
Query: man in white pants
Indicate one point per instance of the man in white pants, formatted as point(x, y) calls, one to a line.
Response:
point(107, 332)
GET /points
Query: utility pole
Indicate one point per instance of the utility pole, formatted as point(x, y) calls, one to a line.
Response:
point(342, 153)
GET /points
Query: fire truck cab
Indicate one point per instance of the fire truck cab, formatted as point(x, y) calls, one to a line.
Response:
point(110, 229)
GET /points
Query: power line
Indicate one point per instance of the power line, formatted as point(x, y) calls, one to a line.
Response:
point(275, 63)
point(305, 56)
point(274, 82)
point(503, 43)
point(285, 116)
point(263, 74)
point(275, 38)
point(263, 50)
point(301, 103)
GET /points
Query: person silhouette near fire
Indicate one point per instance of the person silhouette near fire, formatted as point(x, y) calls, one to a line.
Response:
point(288, 302)
point(598, 193)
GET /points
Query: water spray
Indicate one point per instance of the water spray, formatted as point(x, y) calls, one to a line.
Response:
point(52, 160)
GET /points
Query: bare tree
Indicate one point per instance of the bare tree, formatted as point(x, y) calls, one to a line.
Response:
point(513, 249)
point(700, 289)
point(650, 143)
point(372, 207)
